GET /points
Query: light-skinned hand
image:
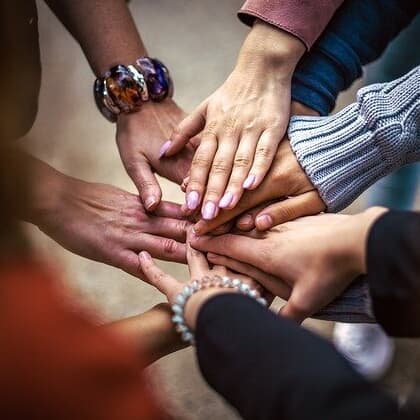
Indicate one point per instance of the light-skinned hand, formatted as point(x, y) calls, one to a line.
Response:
point(317, 257)
point(241, 123)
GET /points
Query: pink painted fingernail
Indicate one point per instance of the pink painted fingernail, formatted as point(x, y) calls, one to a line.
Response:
point(226, 200)
point(164, 148)
point(249, 181)
point(264, 222)
point(192, 200)
point(209, 210)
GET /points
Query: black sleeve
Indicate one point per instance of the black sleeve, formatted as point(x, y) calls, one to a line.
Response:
point(393, 263)
point(270, 368)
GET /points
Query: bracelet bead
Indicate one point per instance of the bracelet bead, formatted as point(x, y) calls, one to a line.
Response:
point(206, 282)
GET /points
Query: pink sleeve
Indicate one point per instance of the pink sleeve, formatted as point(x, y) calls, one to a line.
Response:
point(303, 18)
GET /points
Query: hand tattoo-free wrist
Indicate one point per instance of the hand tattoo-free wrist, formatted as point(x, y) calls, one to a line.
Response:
point(125, 88)
point(178, 307)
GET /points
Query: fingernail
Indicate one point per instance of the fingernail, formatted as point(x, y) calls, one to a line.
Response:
point(226, 200)
point(209, 210)
point(249, 181)
point(211, 256)
point(245, 220)
point(264, 222)
point(145, 256)
point(192, 200)
point(150, 202)
point(164, 148)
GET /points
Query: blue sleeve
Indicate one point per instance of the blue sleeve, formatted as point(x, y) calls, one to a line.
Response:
point(358, 33)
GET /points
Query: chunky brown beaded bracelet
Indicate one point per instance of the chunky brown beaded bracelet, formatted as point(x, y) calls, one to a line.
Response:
point(124, 89)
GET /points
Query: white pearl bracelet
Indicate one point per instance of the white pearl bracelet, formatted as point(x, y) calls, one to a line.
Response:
point(206, 282)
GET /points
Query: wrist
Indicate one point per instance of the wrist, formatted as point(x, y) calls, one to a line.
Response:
point(46, 194)
point(359, 228)
point(196, 302)
point(270, 48)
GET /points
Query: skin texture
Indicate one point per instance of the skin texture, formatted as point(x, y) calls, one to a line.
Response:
point(286, 178)
point(316, 257)
point(102, 222)
point(242, 123)
point(199, 267)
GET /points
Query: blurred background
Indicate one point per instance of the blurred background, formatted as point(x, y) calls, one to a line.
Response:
point(199, 41)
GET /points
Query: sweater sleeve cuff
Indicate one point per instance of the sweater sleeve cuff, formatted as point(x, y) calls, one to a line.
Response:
point(347, 152)
point(305, 20)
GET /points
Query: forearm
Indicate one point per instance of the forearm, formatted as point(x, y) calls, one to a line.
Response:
point(269, 48)
point(151, 334)
point(346, 153)
point(357, 35)
point(104, 29)
point(240, 342)
point(45, 187)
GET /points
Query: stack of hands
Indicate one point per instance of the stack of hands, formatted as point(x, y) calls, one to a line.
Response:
point(241, 179)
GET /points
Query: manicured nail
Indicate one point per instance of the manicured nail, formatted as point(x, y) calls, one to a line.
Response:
point(264, 222)
point(249, 181)
point(209, 210)
point(164, 148)
point(145, 256)
point(192, 200)
point(150, 202)
point(226, 200)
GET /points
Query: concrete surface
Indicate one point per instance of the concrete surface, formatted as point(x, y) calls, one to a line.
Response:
point(199, 41)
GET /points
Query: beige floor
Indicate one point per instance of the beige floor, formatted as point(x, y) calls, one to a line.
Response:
point(199, 41)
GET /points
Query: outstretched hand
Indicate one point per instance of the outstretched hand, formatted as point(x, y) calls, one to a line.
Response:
point(199, 268)
point(316, 257)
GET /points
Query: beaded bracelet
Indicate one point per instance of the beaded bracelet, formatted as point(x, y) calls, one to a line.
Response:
point(124, 89)
point(206, 282)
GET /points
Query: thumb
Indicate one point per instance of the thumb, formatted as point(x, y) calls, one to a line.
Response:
point(302, 205)
point(186, 130)
point(296, 308)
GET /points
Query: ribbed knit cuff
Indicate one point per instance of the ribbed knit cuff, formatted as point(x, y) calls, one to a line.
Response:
point(346, 153)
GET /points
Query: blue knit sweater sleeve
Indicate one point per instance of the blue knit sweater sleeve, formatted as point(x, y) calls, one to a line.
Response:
point(358, 33)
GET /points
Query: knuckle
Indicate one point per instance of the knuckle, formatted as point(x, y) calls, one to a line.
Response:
point(170, 246)
point(242, 161)
point(210, 129)
point(284, 213)
point(265, 152)
point(201, 161)
point(145, 184)
point(220, 167)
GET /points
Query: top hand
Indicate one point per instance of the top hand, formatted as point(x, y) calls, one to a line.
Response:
point(286, 183)
point(242, 123)
point(140, 136)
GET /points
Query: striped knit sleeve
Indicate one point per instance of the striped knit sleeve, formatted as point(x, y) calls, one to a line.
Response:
point(347, 152)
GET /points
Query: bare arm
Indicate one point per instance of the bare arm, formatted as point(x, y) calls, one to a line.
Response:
point(104, 29)
point(152, 333)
